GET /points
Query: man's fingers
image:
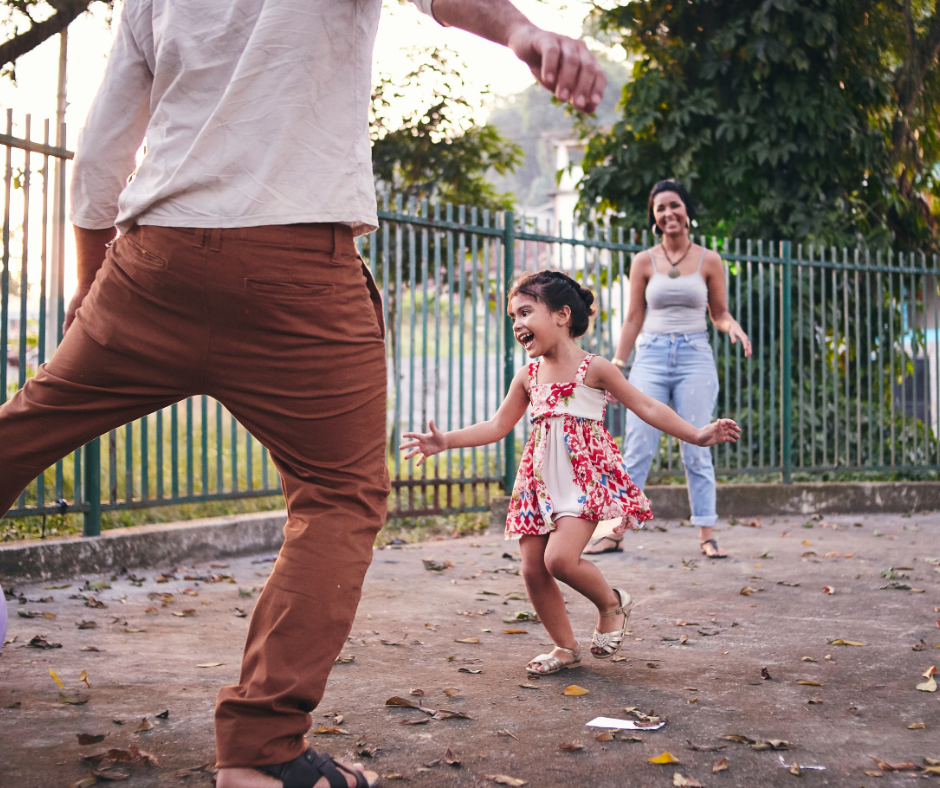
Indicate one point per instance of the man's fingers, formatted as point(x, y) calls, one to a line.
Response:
point(569, 70)
point(550, 55)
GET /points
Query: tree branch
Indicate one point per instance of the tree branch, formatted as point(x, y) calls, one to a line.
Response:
point(66, 12)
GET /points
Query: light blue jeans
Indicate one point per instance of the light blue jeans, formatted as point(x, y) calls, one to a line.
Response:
point(677, 369)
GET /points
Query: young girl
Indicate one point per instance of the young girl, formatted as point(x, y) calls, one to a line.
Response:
point(571, 474)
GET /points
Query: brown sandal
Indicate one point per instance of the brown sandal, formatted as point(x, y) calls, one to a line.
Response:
point(714, 545)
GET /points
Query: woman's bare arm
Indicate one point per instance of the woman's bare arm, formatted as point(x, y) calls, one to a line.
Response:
point(714, 274)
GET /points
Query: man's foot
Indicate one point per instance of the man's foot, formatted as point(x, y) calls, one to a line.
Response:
point(606, 544)
point(252, 778)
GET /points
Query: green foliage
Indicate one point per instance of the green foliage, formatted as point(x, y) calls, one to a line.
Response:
point(437, 152)
point(806, 119)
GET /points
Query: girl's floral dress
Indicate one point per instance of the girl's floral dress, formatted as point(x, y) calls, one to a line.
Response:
point(571, 466)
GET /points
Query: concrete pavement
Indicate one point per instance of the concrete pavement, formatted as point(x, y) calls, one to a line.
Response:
point(703, 631)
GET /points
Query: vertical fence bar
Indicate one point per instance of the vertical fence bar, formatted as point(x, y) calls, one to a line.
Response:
point(509, 246)
point(92, 488)
point(786, 371)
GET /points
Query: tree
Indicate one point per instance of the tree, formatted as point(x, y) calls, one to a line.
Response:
point(813, 120)
point(27, 23)
point(437, 151)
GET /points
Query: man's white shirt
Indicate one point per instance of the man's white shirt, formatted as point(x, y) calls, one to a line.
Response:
point(254, 112)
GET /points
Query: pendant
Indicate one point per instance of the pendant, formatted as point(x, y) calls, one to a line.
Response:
point(674, 273)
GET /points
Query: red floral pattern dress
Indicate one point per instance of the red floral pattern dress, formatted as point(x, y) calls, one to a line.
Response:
point(571, 465)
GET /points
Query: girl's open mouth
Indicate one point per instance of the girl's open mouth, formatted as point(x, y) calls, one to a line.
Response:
point(526, 339)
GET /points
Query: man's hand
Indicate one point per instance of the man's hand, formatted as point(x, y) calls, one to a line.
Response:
point(91, 247)
point(563, 65)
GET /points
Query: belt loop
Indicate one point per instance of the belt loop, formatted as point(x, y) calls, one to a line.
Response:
point(215, 239)
point(199, 237)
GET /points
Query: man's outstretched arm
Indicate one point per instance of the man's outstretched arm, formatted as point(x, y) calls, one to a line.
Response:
point(563, 65)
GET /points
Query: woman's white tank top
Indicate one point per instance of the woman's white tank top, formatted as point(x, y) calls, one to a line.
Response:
point(676, 306)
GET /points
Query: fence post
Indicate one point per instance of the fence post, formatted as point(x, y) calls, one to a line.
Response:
point(509, 340)
point(92, 488)
point(786, 373)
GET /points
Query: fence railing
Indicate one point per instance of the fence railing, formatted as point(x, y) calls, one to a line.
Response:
point(845, 374)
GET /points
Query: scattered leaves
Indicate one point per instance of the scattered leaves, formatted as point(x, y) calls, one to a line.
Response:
point(84, 739)
point(720, 766)
point(470, 640)
point(840, 642)
point(931, 684)
point(145, 725)
point(570, 746)
point(210, 665)
point(685, 782)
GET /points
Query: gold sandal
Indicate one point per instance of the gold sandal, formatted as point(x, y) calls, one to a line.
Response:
point(553, 664)
point(610, 642)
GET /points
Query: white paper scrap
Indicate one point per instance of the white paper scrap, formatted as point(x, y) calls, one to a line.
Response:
point(624, 725)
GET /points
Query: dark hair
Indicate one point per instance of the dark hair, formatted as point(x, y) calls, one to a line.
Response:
point(670, 186)
point(555, 290)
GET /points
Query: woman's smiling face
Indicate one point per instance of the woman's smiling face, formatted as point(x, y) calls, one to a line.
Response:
point(535, 326)
point(670, 213)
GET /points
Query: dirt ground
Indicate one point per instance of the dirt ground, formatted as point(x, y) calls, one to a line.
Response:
point(702, 634)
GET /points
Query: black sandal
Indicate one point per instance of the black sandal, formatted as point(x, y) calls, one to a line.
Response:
point(617, 548)
point(306, 769)
point(714, 544)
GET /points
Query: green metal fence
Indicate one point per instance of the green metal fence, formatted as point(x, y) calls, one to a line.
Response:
point(844, 377)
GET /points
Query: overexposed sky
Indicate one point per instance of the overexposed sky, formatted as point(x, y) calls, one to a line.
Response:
point(401, 27)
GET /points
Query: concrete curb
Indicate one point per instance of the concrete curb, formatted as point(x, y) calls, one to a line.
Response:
point(749, 500)
point(163, 544)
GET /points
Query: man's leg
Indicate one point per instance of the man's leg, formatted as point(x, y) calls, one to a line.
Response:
point(298, 357)
point(130, 351)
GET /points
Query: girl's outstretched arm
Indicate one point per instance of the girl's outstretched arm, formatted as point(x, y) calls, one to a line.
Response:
point(604, 375)
point(479, 434)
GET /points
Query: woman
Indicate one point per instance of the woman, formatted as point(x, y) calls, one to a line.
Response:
point(671, 285)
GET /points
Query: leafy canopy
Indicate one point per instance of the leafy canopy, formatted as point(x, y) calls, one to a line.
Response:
point(786, 118)
point(437, 151)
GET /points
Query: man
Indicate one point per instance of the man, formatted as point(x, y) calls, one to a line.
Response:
point(235, 275)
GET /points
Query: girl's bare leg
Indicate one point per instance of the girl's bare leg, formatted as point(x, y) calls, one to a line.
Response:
point(563, 561)
point(546, 596)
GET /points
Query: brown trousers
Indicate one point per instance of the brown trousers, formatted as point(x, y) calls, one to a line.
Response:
point(283, 326)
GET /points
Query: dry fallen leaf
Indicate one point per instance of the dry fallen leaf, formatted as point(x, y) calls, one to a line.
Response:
point(684, 781)
point(795, 769)
point(503, 779)
point(771, 744)
point(916, 726)
point(451, 692)
point(666, 757)
point(408, 704)
point(445, 714)
point(145, 725)
point(840, 642)
point(83, 677)
point(87, 624)
point(84, 739)
point(895, 767)
point(516, 631)
point(738, 738)
point(606, 736)
point(828, 590)
point(324, 730)
point(570, 746)
point(418, 692)
point(529, 686)
point(506, 732)
point(86, 782)
point(746, 591)
point(468, 640)
point(931, 684)
point(807, 659)
point(809, 683)
point(451, 759)
point(210, 665)
point(720, 766)
point(343, 660)
point(765, 675)
point(575, 690)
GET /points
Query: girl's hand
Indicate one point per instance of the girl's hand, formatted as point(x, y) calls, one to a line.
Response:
point(721, 431)
point(424, 443)
point(737, 335)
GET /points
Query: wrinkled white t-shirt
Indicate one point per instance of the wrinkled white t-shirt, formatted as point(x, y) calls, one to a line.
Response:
point(254, 111)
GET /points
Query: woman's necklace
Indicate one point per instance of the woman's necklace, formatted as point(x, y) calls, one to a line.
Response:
point(674, 272)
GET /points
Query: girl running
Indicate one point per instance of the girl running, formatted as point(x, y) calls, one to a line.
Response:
point(571, 474)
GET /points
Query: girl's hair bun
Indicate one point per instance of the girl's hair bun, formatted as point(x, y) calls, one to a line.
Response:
point(556, 289)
